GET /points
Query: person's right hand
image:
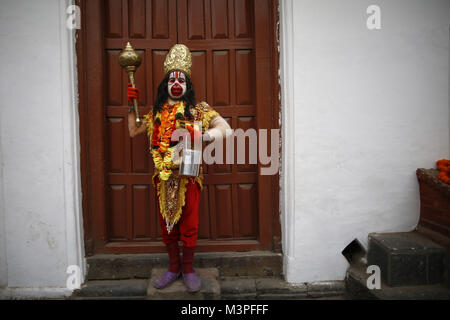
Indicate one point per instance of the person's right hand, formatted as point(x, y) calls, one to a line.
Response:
point(132, 93)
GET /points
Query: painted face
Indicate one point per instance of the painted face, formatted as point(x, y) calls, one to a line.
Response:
point(177, 84)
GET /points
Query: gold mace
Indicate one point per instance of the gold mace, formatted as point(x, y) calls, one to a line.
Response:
point(130, 61)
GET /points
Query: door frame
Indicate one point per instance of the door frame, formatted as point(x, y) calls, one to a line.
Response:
point(89, 50)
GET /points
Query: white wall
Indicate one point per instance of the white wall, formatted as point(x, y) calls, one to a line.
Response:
point(40, 215)
point(3, 264)
point(362, 110)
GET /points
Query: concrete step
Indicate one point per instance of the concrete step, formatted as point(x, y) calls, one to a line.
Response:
point(129, 266)
point(210, 289)
point(406, 258)
point(356, 285)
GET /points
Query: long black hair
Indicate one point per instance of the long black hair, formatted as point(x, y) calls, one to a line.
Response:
point(163, 95)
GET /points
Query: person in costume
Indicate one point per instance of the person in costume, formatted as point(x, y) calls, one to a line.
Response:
point(178, 196)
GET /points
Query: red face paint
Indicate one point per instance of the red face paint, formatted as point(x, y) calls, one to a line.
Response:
point(177, 84)
point(176, 90)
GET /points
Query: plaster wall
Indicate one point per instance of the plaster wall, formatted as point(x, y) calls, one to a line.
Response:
point(40, 217)
point(361, 111)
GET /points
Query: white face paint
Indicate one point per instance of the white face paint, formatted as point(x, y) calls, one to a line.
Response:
point(177, 84)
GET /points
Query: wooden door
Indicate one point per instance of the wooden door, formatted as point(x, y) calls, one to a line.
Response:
point(231, 44)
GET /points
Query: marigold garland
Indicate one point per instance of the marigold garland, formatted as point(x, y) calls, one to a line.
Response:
point(443, 166)
point(166, 122)
point(158, 127)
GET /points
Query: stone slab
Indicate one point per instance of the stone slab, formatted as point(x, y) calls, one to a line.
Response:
point(239, 296)
point(127, 266)
point(108, 298)
point(113, 288)
point(238, 286)
point(282, 296)
point(124, 266)
point(279, 286)
point(210, 289)
point(406, 258)
point(356, 284)
point(325, 289)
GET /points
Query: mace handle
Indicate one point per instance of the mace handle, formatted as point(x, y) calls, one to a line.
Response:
point(135, 102)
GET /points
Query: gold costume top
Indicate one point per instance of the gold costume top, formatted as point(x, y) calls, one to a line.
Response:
point(171, 187)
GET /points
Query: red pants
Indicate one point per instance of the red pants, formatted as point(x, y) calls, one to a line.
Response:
point(186, 228)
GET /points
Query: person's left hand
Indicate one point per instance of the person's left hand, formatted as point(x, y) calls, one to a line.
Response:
point(206, 137)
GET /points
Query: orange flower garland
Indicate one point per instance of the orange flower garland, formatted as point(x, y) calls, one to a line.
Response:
point(443, 166)
point(164, 125)
point(166, 128)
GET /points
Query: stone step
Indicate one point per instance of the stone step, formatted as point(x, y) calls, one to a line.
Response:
point(108, 298)
point(270, 288)
point(210, 289)
point(214, 287)
point(116, 289)
point(356, 285)
point(128, 266)
point(406, 258)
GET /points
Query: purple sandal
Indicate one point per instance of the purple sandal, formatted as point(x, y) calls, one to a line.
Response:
point(192, 282)
point(165, 280)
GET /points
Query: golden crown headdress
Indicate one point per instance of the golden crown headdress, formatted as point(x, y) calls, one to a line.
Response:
point(179, 58)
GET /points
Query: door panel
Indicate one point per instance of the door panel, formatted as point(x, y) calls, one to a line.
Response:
point(223, 38)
